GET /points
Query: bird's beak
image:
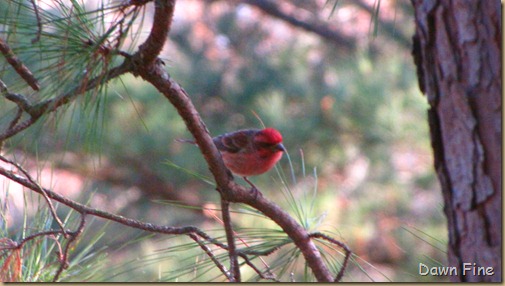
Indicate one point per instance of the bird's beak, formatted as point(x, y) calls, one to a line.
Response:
point(280, 147)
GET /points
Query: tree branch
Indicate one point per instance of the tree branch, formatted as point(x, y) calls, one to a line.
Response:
point(37, 110)
point(46, 198)
point(271, 8)
point(151, 48)
point(64, 255)
point(18, 66)
point(209, 253)
point(232, 250)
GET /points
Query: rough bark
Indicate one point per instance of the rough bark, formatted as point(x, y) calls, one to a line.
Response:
point(457, 50)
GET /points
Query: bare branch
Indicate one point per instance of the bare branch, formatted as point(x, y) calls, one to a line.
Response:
point(209, 253)
point(39, 24)
point(64, 255)
point(151, 48)
point(232, 251)
point(341, 245)
point(230, 191)
point(321, 29)
point(83, 209)
point(49, 203)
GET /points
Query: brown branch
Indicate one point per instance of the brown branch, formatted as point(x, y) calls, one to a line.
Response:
point(209, 253)
point(18, 65)
point(151, 48)
point(39, 24)
point(297, 233)
point(83, 209)
point(154, 73)
point(232, 250)
point(16, 118)
point(341, 245)
point(313, 26)
point(18, 245)
point(37, 110)
point(230, 191)
point(64, 255)
point(267, 276)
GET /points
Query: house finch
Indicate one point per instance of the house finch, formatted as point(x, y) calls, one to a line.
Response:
point(249, 152)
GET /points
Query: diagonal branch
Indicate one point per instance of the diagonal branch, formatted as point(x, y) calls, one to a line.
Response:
point(51, 207)
point(341, 245)
point(230, 191)
point(18, 65)
point(83, 209)
point(37, 110)
point(212, 257)
point(321, 29)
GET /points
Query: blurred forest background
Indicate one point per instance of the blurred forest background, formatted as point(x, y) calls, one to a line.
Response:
point(335, 77)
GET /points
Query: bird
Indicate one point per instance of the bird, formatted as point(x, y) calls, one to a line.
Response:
point(249, 152)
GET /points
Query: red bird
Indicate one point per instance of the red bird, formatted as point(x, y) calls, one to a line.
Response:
point(249, 152)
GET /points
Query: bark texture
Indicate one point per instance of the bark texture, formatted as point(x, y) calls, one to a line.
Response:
point(457, 50)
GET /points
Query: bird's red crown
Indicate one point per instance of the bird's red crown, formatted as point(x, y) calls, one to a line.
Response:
point(270, 136)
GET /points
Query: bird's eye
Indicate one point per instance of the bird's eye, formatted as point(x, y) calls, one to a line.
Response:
point(265, 145)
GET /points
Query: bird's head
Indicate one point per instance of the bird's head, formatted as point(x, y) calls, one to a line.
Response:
point(269, 140)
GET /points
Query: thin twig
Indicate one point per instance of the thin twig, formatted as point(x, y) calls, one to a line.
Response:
point(42, 191)
point(39, 24)
point(269, 275)
point(232, 250)
point(342, 245)
point(209, 253)
point(16, 118)
point(20, 244)
point(64, 257)
point(243, 253)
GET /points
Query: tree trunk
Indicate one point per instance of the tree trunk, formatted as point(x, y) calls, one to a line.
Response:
point(457, 50)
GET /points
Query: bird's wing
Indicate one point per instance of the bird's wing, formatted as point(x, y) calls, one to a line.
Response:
point(235, 141)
